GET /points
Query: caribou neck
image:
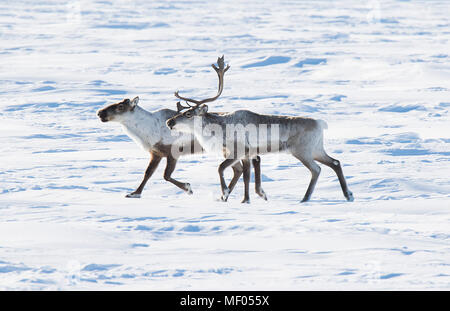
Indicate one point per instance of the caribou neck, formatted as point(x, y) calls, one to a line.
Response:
point(142, 126)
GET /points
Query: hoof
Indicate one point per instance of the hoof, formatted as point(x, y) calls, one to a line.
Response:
point(304, 200)
point(189, 189)
point(349, 197)
point(263, 195)
point(133, 195)
point(225, 195)
point(246, 201)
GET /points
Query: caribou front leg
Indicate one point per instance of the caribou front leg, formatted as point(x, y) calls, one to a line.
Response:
point(223, 185)
point(154, 161)
point(246, 166)
point(237, 172)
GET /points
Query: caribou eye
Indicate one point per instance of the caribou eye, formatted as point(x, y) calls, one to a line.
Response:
point(120, 108)
point(188, 114)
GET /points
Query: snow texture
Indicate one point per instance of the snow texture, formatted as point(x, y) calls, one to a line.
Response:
point(378, 72)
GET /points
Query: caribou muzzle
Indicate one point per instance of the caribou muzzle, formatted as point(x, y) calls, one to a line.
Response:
point(102, 114)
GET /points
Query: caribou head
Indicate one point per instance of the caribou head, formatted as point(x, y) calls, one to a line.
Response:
point(117, 111)
point(183, 122)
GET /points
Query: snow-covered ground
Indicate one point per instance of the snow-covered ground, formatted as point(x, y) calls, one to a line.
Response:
point(377, 71)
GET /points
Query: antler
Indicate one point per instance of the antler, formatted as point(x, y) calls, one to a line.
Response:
point(220, 72)
point(180, 107)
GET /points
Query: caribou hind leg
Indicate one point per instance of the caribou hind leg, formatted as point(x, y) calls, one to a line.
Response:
point(336, 166)
point(154, 162)
point(170, 167)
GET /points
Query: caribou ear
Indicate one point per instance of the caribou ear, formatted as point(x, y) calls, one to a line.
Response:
point(203, 109)
point(134, 102)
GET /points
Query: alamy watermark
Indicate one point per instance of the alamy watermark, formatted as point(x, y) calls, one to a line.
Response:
point(232, 141)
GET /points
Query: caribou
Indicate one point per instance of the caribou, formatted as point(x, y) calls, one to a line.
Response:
point(149, 130)
point(242, 135)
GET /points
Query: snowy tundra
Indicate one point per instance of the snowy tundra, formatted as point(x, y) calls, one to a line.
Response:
point(378, 72)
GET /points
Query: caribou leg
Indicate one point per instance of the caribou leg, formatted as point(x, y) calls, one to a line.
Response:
point(336, 166)
point(237, 170)
point(257, 168)
point(154, 161)
point(315, 172)
point(222, 167)
point(170, 167)
point(246, 166)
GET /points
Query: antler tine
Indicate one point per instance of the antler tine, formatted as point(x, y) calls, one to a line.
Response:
point(186, 99)
point(220, 73)
point(221, 63)
point(180, 107)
